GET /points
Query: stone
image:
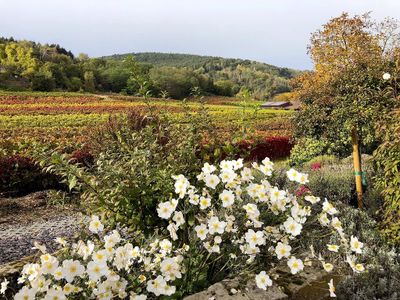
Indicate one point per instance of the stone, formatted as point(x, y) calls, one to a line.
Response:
point(231, 289)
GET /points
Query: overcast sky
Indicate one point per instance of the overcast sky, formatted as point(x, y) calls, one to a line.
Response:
point(272, 31)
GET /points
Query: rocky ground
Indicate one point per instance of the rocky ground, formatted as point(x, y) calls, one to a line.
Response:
point(28, 219)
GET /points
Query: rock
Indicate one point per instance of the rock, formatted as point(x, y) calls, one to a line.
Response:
point(231, 289)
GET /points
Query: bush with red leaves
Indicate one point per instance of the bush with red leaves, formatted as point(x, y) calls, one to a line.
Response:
point(273, 147)
point(19, 175)
point(83, 157)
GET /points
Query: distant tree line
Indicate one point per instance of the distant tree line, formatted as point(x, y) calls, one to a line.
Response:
point(49, 67)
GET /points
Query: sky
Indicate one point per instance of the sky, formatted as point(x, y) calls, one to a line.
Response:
point(271, 31)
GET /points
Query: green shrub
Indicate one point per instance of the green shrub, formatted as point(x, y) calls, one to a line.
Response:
point(388, 177)
point(306, 149)
point(334, 181)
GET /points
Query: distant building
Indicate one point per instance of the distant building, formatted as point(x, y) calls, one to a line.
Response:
point(273, 104)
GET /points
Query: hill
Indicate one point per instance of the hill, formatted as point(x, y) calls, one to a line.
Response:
point(27, 65)
point(228, 74)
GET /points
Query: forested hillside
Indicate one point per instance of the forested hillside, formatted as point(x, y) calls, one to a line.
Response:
point(26, 65)
point(228, 74)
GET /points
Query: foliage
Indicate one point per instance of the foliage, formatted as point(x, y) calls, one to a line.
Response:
point(276, 147)
point(19, 175)
point(347, 90)
point(382, 279)
point(232, 222)
point(51, 67)
point(306, 149)
point(388, 177)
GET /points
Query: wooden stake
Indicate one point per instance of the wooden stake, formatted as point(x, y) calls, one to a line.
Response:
point(357, 167)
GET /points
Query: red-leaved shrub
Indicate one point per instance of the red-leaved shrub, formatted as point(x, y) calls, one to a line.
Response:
point(83, 157)
point(20, 175)
point(272, 147)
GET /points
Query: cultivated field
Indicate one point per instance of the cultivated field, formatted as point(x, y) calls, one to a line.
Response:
point(64, 120)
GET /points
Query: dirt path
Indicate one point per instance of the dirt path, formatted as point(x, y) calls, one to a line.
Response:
point(27, 219)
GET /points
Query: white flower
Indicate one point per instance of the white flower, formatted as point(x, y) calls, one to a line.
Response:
point(137, 297)
point(172, 231)
point(333, 248)
point(328, 207)
point(237, 164)
point(178, 218)
point(61, 241)
point(100, 256)
point(157, 286)
point(201, 231)
point(68, 288)
point(327, 267)
point(84, 250)
point(358, 268)
point(170, 269)
point(4, 285)
point(251, 210)
point(246, 174)
point(217, 239)
point(208, 169)
point(95, 225)
point(72, 268)
point(96, 270)
point(263, 280)
point(165, 210)
point(292, 227)
point(211, 180)
point(227, 198)
point(53, 294)
point(31, 270)
point(181, 185)
point(204, 202)
point(49, 266)
point(337, 224)
point(112, 239)
point(295, 265)
point(166, 246)
point(386, 76)
point(293, 175)
point(282, 250)
point(276, 194)
point(25, 294)
point(312, 199)
point(355, 245)
point(331, 289)
point(226, 165)
point(228, 176)
point(255, 238)
point(323, 219)
point(216, 226)
point(303, 178)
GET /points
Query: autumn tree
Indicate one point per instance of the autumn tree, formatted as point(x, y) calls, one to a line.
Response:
point(346, 91)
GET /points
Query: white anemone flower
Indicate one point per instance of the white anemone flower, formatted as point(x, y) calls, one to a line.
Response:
point(211, 180)
point(295, 265)
point(356, 245)
point(227, 198)
point(292, 227)
point(254, 238)
point(95, 225)
point(263, 280)
point(386, 76)
point(201, 231)
point(71, 269)
point(165, 210)
point(216, 226)
point(331, 289)
point(282, 250)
